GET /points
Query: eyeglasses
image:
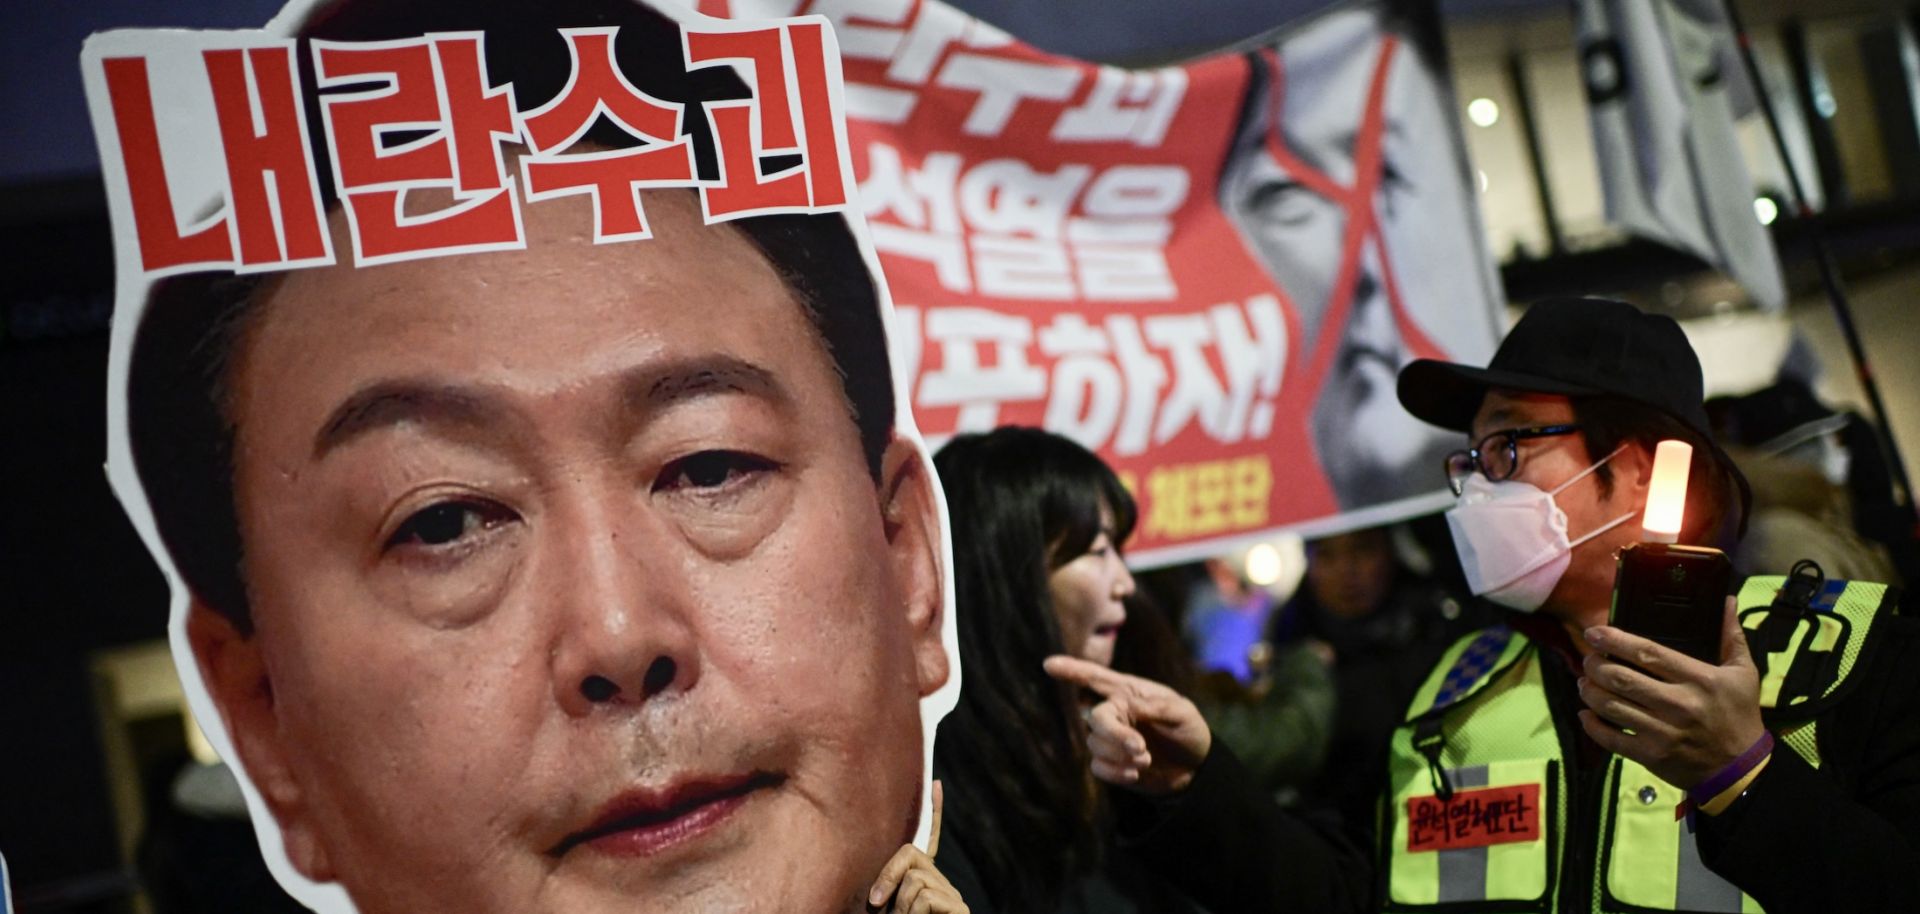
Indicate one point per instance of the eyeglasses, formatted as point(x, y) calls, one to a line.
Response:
point(1497, 457)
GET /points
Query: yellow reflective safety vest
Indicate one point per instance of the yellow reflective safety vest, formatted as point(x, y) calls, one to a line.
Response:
point(1476, 812)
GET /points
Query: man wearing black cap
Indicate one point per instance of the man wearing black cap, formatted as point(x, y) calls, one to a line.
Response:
point(1537, 767)
point(1536, 771)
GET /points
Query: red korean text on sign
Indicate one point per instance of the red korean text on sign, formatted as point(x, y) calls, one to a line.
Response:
point(271, 189)
point(162, 244)
point(1474, 818)
point(1024, 207)
point(613, 178)
point(414, 131)
point(790, 113)
point(433, 85)
point(269, 170)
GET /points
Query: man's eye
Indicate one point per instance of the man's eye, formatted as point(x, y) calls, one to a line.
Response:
point(447, 522)
point(1282, 201)
point(711, 470)
point(1394, 187)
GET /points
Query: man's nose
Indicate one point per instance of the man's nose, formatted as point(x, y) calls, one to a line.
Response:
point(1365, 288)
point(625, 630)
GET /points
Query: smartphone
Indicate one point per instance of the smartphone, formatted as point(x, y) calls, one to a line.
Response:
point(1674, 595)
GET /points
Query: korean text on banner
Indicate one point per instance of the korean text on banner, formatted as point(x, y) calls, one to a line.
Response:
point(1209, 273)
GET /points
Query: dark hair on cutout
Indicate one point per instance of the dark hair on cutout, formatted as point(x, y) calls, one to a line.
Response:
point(1021, 502)
point(177, 391)
point(1607, 422)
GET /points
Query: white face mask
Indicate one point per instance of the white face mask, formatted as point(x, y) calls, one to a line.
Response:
point(1512, 538)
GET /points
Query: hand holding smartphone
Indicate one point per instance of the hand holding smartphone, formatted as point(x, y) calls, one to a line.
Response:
point(1671, 594)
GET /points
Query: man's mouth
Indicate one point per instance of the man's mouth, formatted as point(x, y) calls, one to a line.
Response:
point(1353, 356)
point(641, 823)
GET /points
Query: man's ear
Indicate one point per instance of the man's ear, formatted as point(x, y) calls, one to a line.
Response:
point(912, 527)
point(236, 678)
point(1632, 474)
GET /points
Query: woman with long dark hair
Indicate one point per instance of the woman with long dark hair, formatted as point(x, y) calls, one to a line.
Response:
point(1038, 524)
point(1044, 724)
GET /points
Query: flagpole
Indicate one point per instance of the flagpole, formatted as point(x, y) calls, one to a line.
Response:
point(1829, 272)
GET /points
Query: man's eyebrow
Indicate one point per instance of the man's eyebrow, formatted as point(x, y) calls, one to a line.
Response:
point(389, 403)
point(646, 388)
point(1321, 156)
point(1499, 418)
point(657, 386)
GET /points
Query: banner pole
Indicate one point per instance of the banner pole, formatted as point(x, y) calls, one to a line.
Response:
point(1829, 271)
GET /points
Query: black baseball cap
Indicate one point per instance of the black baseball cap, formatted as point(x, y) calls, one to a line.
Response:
point(1576, 347)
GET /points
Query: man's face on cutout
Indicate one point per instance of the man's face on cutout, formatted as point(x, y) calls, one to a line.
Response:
point(572, 589)
point(1285, 199)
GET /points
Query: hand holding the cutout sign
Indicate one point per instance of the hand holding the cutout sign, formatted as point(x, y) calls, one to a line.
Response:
point(1689, 719)
point(1143, 735)
point(911, 884)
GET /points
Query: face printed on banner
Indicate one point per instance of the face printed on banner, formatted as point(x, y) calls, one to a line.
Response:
point(1089, 592)
point(1355, 196)
point(571, 587)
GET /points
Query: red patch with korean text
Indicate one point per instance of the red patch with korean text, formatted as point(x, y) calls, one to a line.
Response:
point(1474, 818)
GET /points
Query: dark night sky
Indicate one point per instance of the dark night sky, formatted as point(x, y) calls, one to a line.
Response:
point(47, 135)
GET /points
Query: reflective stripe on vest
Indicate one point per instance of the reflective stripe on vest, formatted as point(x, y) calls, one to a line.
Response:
point(1649, 857)
point(1492, 675)
point(1807, 673)
point(1506, 871)
point(1802, 679)
point(1495, 730)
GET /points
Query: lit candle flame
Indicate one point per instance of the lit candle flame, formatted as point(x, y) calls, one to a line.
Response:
point(1667, 495)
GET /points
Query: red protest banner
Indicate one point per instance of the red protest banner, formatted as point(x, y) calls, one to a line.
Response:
point(1209, 273)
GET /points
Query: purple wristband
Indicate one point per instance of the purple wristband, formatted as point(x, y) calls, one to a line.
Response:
point(1726, 777)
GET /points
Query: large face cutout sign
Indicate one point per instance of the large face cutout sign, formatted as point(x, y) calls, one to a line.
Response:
point(505, 393)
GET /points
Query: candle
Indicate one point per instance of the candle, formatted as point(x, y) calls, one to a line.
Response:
point(1667, 495)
